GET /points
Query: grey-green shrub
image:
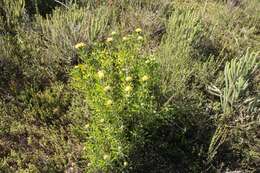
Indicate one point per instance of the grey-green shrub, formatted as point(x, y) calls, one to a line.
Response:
point(11, 13)
point(184, 29)
point(239, 108)
point(60, 32)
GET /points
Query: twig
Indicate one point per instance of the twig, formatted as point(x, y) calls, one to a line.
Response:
point(168, 101)
point(62, 4)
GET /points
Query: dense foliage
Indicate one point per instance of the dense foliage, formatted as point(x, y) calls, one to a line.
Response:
point(129, 86)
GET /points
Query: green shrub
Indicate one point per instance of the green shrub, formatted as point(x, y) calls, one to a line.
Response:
point(118, 84)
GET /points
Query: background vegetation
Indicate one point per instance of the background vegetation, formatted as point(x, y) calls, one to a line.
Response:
point(153, 86)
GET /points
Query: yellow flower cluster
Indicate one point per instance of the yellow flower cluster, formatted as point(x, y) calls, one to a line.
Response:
point(101, 74)
point(109, 102)
point(128, 88)
point(140, 38)
point(128, 78)
point(80, 45)
point(125, 38)
point(109, 39)
point(125, 163)
point(106, 157)
point(107, 88)
point(138, 30)
point(113, 33)
point(144, 78)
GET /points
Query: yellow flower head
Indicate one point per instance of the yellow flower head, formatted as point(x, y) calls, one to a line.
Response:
point(109, 39)
point(113, 33)
point(107, 88)
point(128, 78)
point(105, 157)
point(144, 78)
point(102, 120)
point(101, 74)
point(138, 30)
point(80, 45)
point(125, 38)
point(87, 126)
point(125, 163)
point(128, 88)
point(109, 102)
point(140, 38)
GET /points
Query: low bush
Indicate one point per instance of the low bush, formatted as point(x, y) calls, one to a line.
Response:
point(37, 134)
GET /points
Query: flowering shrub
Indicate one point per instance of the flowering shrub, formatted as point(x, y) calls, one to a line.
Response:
point(118, 83)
